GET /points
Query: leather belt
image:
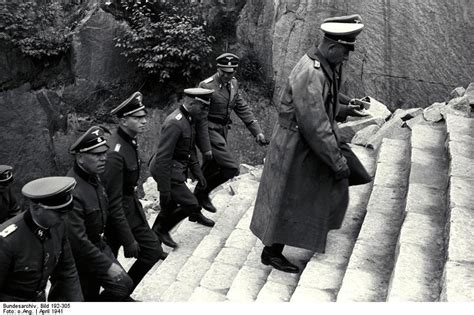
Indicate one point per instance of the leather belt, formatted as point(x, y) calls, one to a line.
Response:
point(288, 124)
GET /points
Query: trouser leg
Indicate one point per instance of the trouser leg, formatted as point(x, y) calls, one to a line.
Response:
point(150, 252)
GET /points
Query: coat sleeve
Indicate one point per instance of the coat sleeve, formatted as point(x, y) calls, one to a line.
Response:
point(84, 250)
point(245, 114)
point(160, 167)
point(343, 107)
point(65, 284)
point(14, 207)
point(203, 141)
point(5, 261)
point(313, 121)
point(194, 165)
point(113, 180)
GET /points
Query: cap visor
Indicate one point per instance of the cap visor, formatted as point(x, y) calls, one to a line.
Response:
point(228, 70)
point(100, 149)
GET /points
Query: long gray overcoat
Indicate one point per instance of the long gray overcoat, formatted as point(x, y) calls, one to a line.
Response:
point(299, 200)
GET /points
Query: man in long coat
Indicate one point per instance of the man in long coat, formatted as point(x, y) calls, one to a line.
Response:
point(304, 186)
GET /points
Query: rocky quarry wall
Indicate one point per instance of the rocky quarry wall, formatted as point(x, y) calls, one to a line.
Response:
point(410, 54)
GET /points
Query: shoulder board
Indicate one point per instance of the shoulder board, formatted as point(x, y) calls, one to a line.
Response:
point(8, 230)
point(317, 65)
point(179, 116)
point(208, 80)
point(117, 147)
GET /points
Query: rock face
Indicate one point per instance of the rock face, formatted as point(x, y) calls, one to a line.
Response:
point(94, 56)
point(26, 140)
point(386, 64)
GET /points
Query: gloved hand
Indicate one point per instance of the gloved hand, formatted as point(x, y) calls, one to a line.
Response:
point(116, 272)
point(131, 250)
point(202, 181)
point(260, 138)
point(344, 172)
point(207, 156)
point(165, 199)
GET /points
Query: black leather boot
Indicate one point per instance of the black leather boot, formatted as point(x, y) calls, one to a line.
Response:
point(204, 200)
point(272, 255)
point(198, 217)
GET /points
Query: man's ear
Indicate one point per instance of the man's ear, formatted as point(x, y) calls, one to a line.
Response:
point(123, 121)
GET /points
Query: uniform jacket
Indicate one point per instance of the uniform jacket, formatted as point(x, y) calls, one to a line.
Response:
point(8, 205)
point(176, 151)
point(31, 255)
point(225, 99)
point(121, 175)
point(87, 221)
point(299, 200)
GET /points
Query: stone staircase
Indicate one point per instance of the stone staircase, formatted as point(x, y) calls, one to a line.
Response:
point(407, 236)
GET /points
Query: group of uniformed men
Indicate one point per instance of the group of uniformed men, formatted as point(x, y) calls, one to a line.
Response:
point(74, 225)
point(302, 195)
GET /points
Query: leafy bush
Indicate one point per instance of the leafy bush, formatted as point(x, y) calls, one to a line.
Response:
point(38, 28)
point(165, 40)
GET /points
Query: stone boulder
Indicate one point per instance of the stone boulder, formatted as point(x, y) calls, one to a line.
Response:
point(391, 129)
point(349, 129)
point(407, 114)
point(433, 112)
point(363, 136)
point(414, 121)
point(457, 92)
point(470, 93)
point(459, 106)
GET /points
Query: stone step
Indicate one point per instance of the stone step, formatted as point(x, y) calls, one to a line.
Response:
point(187, 234)
point(420, 249)
point(458, 279)
point(205, 265)
point(371, 262)
point(322, 277)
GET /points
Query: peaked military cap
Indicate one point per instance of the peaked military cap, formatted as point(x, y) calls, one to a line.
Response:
point(6, 174)
point(343, 29)
point(227, 62)
point(131, 105)
point(51, 192)
point(200, 94)
point(92, 141)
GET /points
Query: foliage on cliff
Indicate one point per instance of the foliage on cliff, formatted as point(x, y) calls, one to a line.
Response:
point(40, 29)
point(165, 40)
